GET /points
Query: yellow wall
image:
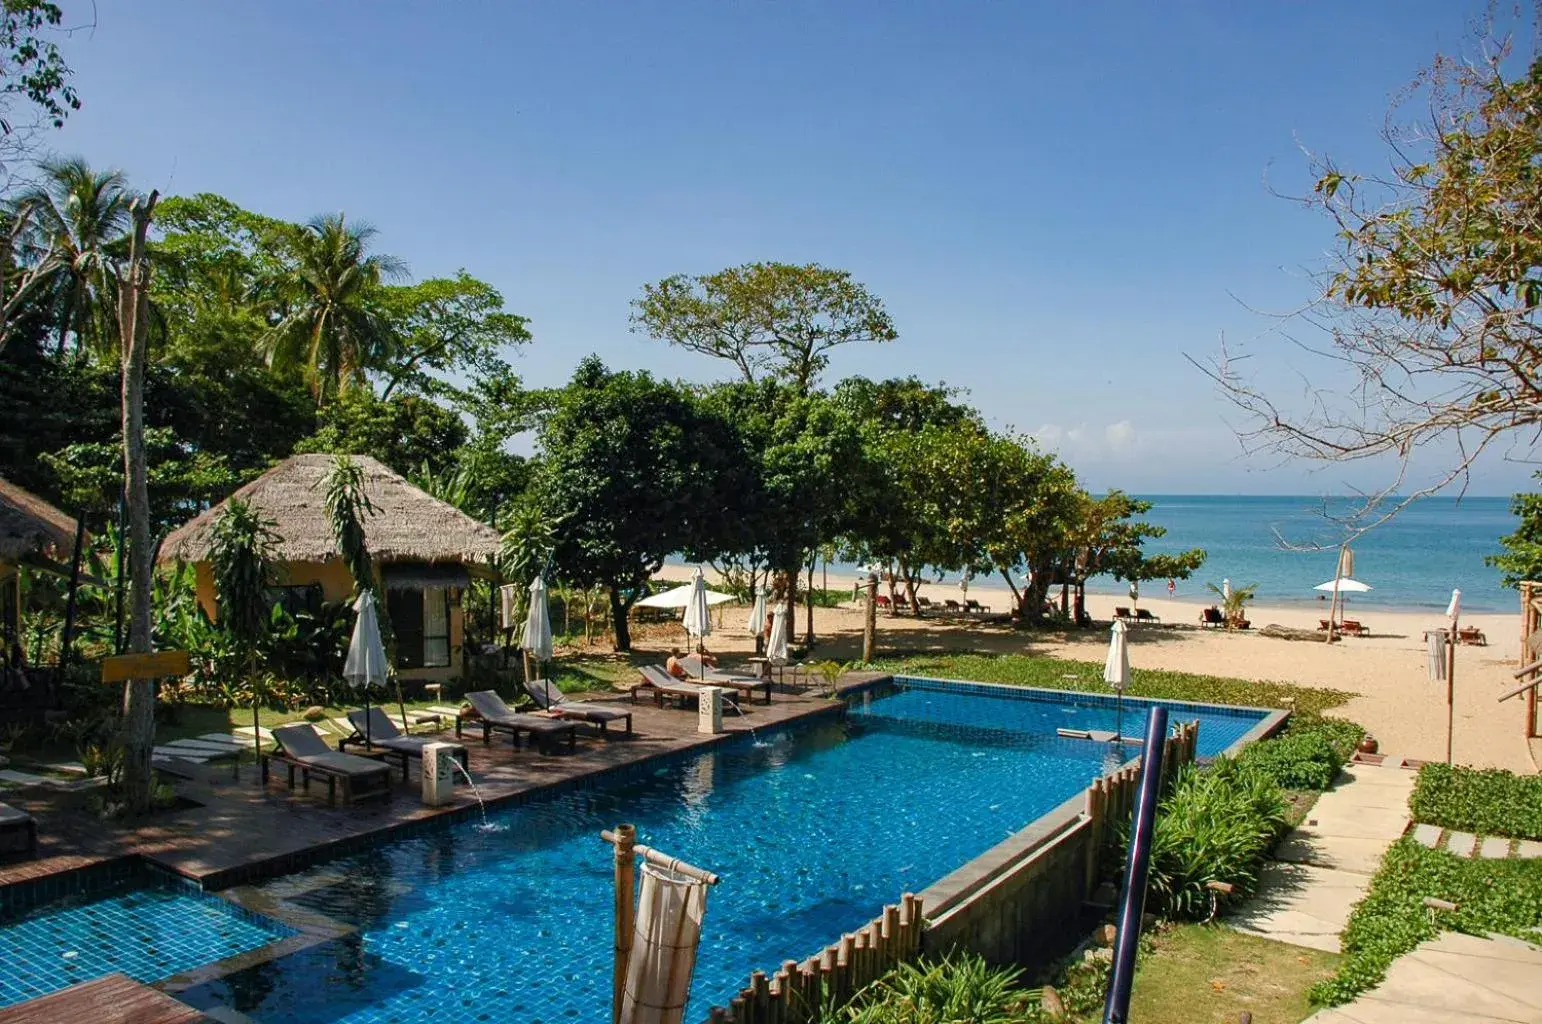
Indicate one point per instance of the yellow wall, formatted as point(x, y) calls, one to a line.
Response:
point(337, 585)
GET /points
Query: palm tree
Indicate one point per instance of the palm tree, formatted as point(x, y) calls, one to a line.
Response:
point(79, 218)
point(327, 324)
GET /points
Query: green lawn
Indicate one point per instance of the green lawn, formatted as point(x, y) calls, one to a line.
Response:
point(1209, 974)
point(1054, 673)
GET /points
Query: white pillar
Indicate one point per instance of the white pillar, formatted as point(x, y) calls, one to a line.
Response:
point(709, 717)
point(439, 772)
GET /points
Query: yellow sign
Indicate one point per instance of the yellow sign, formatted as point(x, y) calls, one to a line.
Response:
point(155, 665)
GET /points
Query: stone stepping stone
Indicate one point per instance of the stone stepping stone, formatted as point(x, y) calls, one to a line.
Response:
point(1528, 848)
point(213, 751)
point(1461, 844)
point(1427, 835)
point(1494, 848)
point(181, 754)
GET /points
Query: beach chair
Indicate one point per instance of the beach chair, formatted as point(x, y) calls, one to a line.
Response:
point(972, 607)
point(952, 606)
point(1212, 617)
point(300, 747)
point(1323, 625)
point(1471, 635)
point(1121, 612)
point(924, 603)
point(548, 698)
point(1143, 615)
point(882, 600)
point(493, 715)
point(663, 686)
point(1352, 627)
point(374, 730)
point(18, 834)
point(704, 673)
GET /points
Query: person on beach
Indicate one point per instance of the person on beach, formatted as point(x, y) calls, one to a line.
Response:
point(1172, 587)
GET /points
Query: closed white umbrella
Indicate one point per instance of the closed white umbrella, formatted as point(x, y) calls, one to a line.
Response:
point(1116, 671)
point(776, 648)
point(366, 662)
point(1226, 589)
point(757, 623)
point(698, 619)
point(537, 638)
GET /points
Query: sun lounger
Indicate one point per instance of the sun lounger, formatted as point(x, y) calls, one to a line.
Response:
point(18, 834)
point(1351, 627)
point(972, 606)
point(493, 715)
point(1121, 612)
point(300, 747)
point(1472, 635)
point(548, 698)
point(377, 731)
point(924, 603)
point(1143, 615)
point(710, 676)
point(952, 606)
point(664, 686)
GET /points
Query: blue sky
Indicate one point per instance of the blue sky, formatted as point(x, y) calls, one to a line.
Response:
point(1056, 201)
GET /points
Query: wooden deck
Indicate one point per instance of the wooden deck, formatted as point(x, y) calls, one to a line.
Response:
point(114, 999)
point(243, 832)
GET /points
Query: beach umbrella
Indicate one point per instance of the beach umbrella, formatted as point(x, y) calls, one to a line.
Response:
point(1226, 589)
point(1116, 671)
point(1345, 586)
point(757, 623)
point(537, 638)
point(366, 662)
point(698, 619)
point(679, 597)
point(776, 649)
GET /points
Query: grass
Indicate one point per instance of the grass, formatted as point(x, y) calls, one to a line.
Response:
point(1209, 974)
point(1490, 803)
point(1053, 673)
point(1491, 896)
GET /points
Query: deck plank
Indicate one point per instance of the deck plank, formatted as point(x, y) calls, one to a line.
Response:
point(114, 999)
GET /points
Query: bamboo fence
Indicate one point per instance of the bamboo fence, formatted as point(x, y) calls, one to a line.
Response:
point(797, 993)
point(1111, 799)
point(1531, 651)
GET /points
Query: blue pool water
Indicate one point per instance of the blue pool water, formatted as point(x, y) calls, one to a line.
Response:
point(812, 830)
point(147, 933)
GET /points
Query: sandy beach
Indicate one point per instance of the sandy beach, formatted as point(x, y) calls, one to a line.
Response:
point(1386, 670)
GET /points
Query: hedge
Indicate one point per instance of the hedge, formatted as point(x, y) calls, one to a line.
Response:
point(1488, 802)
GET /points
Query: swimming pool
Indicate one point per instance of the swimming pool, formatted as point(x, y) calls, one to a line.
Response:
point(812, 830)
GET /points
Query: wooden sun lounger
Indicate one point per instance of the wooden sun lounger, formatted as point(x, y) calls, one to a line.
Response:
point(1212, 617)
point(1352, 627)
point(710, 676)
point(664, 687)
point(1143, 615)
point(549, 698)
point(972, 606)
point(300, 747)
point(493, 715)
point(376, 731)
point(1471, 635)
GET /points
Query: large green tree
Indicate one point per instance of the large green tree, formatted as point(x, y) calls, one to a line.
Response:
point(777, 320)
point(330, 324)
point(1522, 556)
point(629, 469)
point(77, 217)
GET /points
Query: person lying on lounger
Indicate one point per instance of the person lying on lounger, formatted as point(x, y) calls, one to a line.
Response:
point(678, 670)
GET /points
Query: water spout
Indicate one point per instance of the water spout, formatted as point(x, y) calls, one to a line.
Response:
point(754, 740)
point(481, 806)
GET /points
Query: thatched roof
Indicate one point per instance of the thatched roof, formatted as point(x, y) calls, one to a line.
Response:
point(409, 524)
point(30, 526)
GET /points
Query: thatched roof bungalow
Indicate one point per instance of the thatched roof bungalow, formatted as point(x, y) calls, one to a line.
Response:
point(425, 551)
point(32, 532)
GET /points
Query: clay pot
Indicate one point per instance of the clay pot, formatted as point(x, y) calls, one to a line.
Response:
point(1368, 745)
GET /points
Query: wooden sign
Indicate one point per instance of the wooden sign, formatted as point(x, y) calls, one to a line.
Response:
point(155, 665)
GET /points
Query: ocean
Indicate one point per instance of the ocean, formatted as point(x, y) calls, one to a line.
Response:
point(1410, 562)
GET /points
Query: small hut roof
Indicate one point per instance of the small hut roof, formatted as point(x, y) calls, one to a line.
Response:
point(30, 526)
point(409, 524)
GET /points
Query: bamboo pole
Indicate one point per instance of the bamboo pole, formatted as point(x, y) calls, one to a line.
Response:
point(624, 839)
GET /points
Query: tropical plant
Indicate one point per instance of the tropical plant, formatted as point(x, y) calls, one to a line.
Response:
point(945, 991)
point(1522, 555)
point(347, 506)
point(331, 328)
point(831, 671)
point(243, 547)
point(1234, 602)
point(77, 221)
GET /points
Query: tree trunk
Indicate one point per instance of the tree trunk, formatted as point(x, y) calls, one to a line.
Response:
point(138, 694)
point(618, 621)
point(791, 609)
point(808, 602)
point(870, 621)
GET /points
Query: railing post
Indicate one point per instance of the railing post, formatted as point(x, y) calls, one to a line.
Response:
point(1133, 900)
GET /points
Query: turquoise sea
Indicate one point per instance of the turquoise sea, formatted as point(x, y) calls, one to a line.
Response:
point(1412, 561)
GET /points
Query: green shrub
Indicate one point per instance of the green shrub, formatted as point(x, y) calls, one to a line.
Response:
point(1216, 825)
point(1490, 895)
point(1490, 803)
point(1344, 735)
point(1298, 760)
point(946, 991)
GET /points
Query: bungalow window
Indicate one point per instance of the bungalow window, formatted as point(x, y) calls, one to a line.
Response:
point(296, 600)
point(436, 627)
point(420, 618)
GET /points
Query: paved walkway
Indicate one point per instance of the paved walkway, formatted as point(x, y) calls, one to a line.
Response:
point(1453, 979)
point(1465, 844)
point(1324, 867)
